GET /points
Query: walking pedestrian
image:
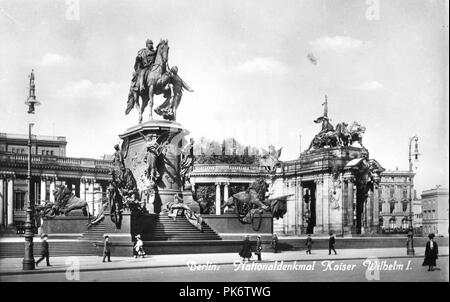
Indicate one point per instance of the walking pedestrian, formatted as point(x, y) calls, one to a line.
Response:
point(274, 242)
point(258, 247)
point(431, 253)
point(107, 249)
point(45, 253)
point(139, 247)
point(246, 250)
point(309, 243)
point(331, 243)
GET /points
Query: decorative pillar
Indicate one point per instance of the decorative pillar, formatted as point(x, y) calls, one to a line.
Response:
point(327, 178)
point(90, 196)
point(10, 219)
point(83, 188)
point(225, 191)
point(375, 210)
point(43, 190)
point(319, 206)
point(299, 202)
point(350, 199)
point(218, 198)
point(52, 188)
point(2, 200)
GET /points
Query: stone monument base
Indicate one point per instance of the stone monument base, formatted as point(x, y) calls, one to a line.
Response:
point(67, 226)
point(169, 140)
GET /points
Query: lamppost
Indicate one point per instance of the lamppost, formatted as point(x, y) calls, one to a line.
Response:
point(410, 246)
point(28, 260)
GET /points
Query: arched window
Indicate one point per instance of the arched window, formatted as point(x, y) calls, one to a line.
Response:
point(405, 192)
point(392, 223)
point(405, 224)
point(392, 206)
point(405, 205)
point(380, 222)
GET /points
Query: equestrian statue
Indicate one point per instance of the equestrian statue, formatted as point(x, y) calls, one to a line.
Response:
point(153, 76)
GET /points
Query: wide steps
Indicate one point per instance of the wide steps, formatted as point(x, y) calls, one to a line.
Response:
point(166, 229)
point(95, 232)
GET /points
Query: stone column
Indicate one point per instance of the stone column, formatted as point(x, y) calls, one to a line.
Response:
point(218, 198)
point(90, 196)
point(376, 205)
point(52, 187)
point(299, 202)
point(350, 203)
point(2, 201)
point(319, 206)
point(10, 219)
point(225, 191)
point(83, 188)
point(43, 190)
point(326, 211)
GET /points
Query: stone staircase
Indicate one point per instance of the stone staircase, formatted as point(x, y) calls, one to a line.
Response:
point(94, 233)
point(165, 228)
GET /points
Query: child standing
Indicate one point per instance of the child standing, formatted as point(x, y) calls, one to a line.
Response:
point(139, 247)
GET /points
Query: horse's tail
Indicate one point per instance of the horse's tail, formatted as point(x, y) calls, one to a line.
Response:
point(130, 103)
point(185, 86)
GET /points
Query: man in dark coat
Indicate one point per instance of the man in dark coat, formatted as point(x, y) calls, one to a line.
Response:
point(258, 249)
point(331, 243)
point(431, 253)
point(246, 251)
point(44, 251)
point(275, 243)
point(309, 243)
point(107, 249)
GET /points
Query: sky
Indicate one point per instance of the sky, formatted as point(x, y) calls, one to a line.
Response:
point(260, 71)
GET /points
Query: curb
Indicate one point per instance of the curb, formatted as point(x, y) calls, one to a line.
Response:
point(183, 265)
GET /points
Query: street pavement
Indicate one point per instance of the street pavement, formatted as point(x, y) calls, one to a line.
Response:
point(347, 265)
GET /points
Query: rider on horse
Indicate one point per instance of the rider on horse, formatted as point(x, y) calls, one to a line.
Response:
point(144, 60)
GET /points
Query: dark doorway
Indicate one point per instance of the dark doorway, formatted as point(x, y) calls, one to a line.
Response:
point(309, 201)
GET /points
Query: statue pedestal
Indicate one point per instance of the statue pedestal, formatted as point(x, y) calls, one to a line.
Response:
point(168, 164)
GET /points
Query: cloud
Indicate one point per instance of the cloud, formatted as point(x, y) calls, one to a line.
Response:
point(54, 59)
point(369, 86)
point(338, 44)
point(263, 65)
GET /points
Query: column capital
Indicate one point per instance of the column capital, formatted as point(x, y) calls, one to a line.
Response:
point(7, 175)
point(347, 177)
point(218, 183)
point(318, 180)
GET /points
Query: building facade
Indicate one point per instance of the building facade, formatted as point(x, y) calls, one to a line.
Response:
point(396, 191)
point(328, 190)
point(435, 211)
point(88, 178)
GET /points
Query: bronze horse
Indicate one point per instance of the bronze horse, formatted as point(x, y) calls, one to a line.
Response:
point(155, 82)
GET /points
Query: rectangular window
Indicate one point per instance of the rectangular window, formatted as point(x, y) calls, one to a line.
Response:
point(19, 200)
